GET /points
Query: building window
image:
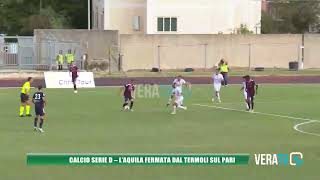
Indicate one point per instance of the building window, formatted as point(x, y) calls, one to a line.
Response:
point(167, 24)
point(160, 24)
point(173, 24)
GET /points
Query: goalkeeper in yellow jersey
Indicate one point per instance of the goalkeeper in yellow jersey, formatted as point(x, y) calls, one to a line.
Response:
point(24, 96)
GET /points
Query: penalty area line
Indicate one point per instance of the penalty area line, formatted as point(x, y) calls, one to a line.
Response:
point(296, 127)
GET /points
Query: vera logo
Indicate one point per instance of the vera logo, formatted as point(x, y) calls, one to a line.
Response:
point(296, 158)
point(292, 159)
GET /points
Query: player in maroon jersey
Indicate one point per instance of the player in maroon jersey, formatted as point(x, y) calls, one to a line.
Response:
point(252, 90)
point(74, 71)
point(128, 94)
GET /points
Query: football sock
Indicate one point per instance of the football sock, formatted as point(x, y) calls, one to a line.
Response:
point(75, 87)
point(249, 107)
point(174, 108)
point(21, 110)
point(124, 104)
point(131, 104)
point(27, 109)
point(252, 104)
point(218, 96)
point(35, 123)
point(41, 123)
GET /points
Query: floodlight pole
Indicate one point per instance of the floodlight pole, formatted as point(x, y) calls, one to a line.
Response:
point(89, 15)
point(40, 6)
point(302, 53)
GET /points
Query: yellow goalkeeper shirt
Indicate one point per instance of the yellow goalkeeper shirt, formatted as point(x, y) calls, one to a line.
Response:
point(25, 88)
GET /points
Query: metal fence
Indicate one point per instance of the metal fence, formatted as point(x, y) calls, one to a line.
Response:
point(163, 53)
point(24, 53)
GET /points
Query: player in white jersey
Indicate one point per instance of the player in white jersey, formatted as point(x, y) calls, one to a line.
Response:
point(217, 79)
point(178, 99)
point(243, 88)
point(179, 83)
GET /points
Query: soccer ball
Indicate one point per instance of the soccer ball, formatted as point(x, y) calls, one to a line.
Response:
point(126, 108)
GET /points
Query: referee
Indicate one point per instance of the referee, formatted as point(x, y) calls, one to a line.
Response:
point(224, 70)
point(24, 97)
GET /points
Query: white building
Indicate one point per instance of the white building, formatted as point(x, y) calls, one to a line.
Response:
point(176, 16)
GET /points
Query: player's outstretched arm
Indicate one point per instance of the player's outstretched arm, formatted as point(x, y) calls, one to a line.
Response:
point(257, 89)
point(44, 101)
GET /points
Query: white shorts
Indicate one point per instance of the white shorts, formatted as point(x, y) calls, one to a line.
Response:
point(217, 87)
point(245, 95)
point(179, 101)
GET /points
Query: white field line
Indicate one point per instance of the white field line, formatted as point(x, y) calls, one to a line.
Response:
point(270, 114)
point(260, 102)
point(304, 132)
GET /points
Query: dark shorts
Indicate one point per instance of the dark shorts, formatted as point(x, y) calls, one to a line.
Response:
point(250, 97)
point(39, 111)
point(74, 79)
point(127, 98)
point(24, 98)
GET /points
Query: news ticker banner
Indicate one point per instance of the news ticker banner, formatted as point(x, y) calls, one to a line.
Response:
point(64, 80)
point(137, 159)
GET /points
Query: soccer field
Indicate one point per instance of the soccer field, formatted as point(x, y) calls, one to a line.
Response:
point(92, 122)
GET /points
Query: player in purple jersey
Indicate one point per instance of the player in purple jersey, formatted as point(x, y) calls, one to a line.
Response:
point(128, 94)
point(252, 90)
point(74, 71)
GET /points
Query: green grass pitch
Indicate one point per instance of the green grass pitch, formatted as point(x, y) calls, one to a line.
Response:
point(92, 122)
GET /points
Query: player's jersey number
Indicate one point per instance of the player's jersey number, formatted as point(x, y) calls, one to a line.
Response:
point(37, 97)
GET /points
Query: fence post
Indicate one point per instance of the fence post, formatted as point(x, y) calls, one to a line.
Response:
point(19, 57)
point(299, 58)
point(159, 61)
point(302, 53)
point(109, 60)
point(249, 56)
point(205, 56)
point(50, 49)
point(120, 62)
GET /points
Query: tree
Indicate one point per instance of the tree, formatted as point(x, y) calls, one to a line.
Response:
point(244, 30)
point(290, 16)
point(20, 17)
point(57, 21)
point(34, 22)
point(267, 24)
